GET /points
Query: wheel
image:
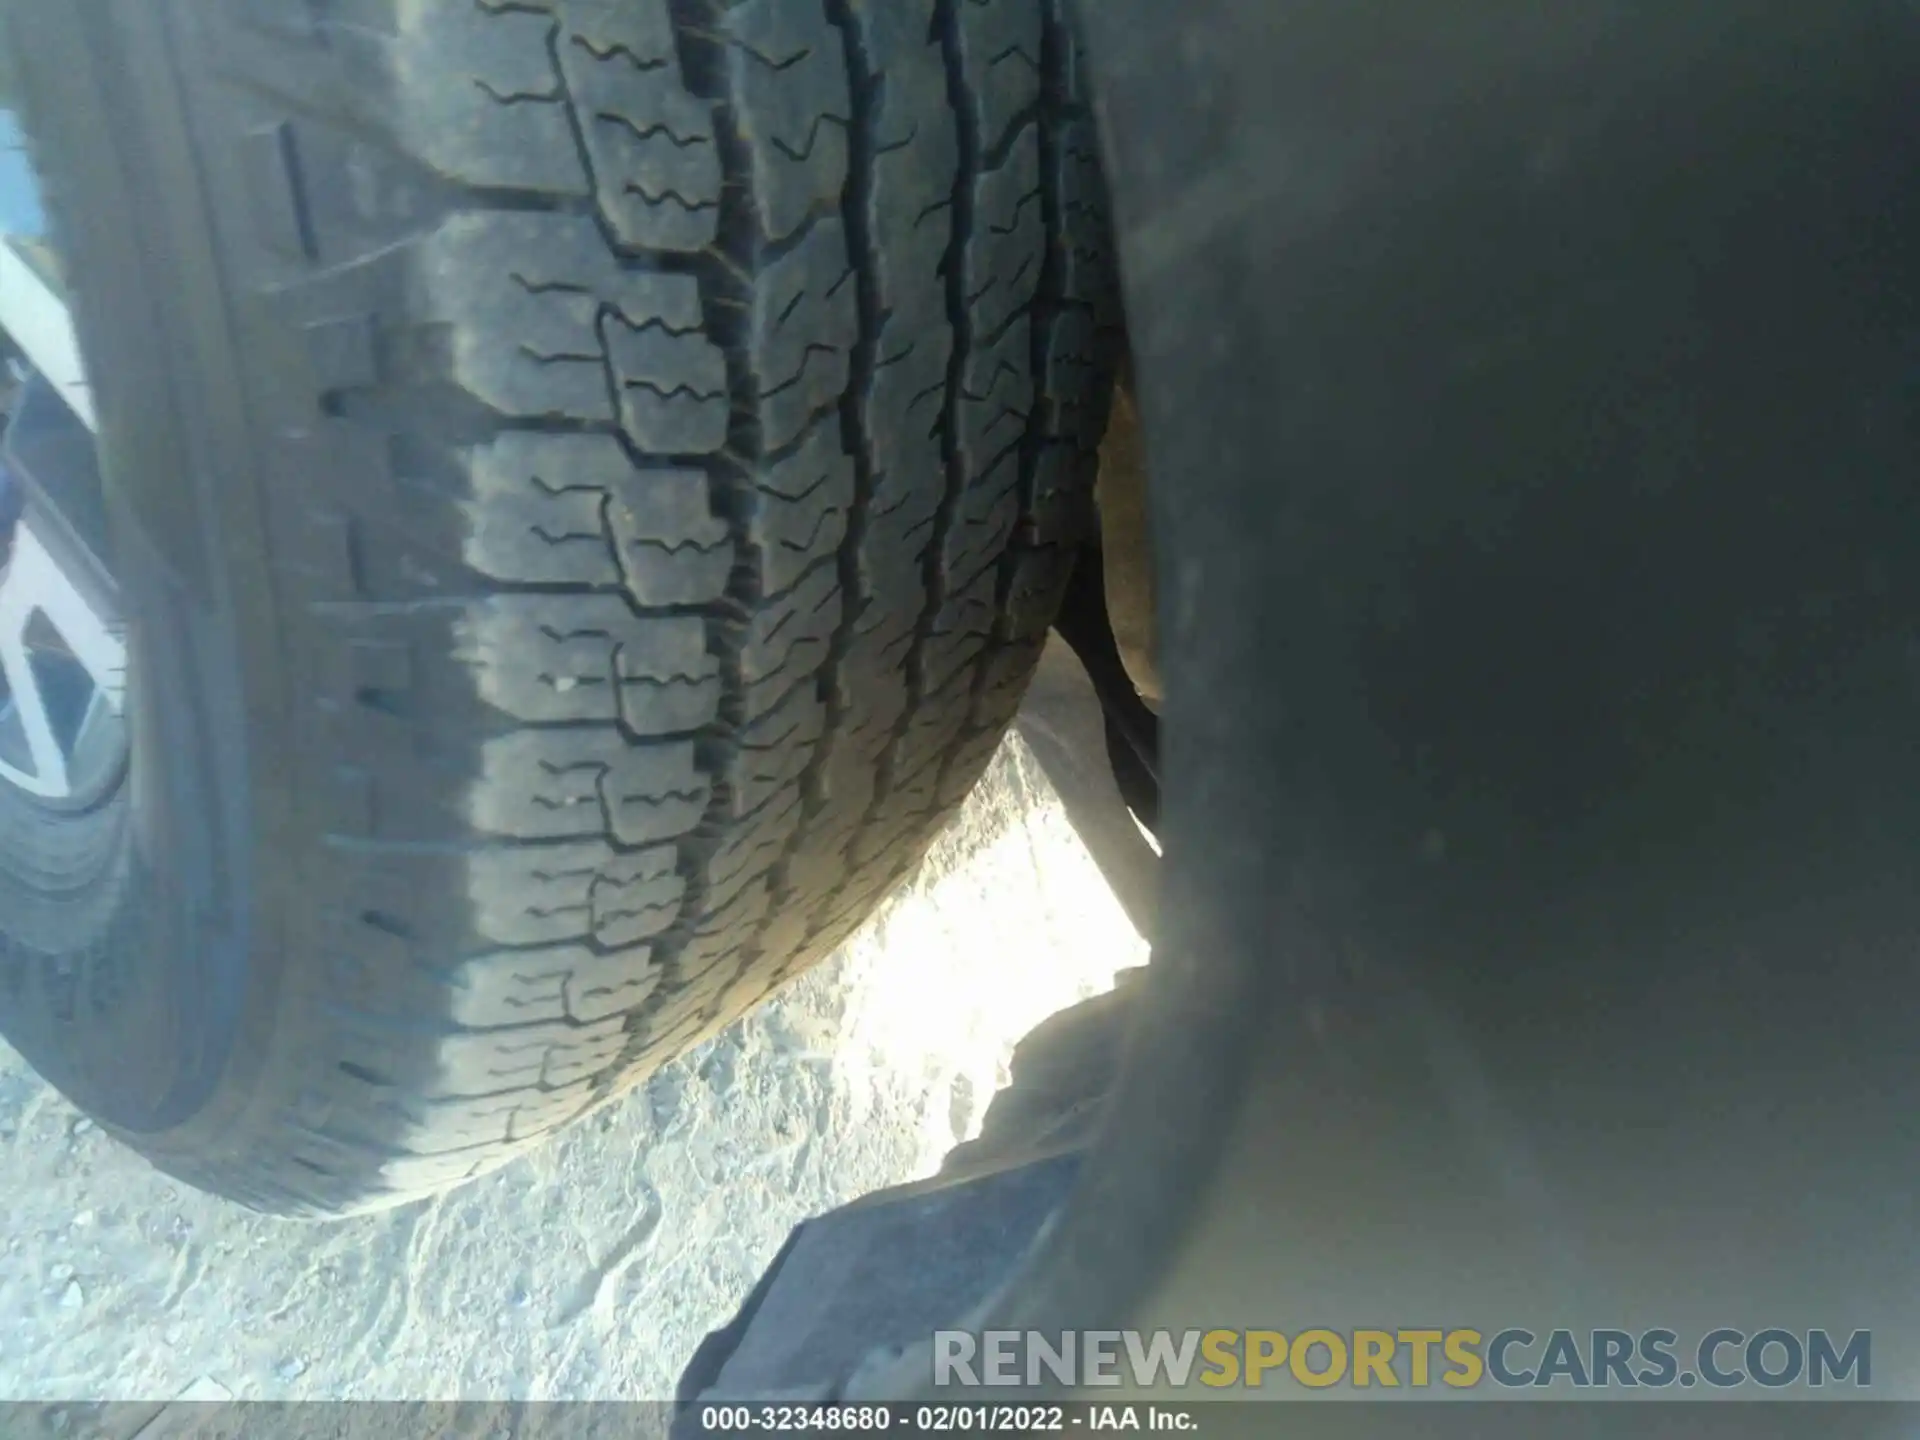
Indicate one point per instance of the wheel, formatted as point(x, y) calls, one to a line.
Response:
point(586, 484)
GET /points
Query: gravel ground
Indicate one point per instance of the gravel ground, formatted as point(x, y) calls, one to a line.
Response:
point(591, 1269)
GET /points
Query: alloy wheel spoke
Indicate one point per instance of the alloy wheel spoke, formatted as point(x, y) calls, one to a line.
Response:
point(63, 659)
point(48, 778)
point(34, 593)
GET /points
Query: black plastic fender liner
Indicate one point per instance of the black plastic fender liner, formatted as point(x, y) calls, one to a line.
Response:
point(1531, 401)
point(854, 1288)
point(1531, 406)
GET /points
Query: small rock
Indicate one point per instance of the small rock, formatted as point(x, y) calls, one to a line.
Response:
point(82, 1126)
point(73, 1297)
point(292, 1368)
point(83, 1219)
point(60, 1274)
point(519, 1299)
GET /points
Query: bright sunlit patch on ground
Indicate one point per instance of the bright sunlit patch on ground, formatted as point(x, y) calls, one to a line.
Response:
point(1000, 931)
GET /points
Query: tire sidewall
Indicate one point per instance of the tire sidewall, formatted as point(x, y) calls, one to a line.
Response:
point(138, 1017)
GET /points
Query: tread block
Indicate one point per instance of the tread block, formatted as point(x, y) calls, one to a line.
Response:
point(1063, 512)
point(671, 381)
point(589, 657)
point(565, 982)
point(522, 302)
point(996, 395)
point(577, 891)
point(556, 785)
point(651, 144)
point(477, 98)
point(983, 523)
point(673, 549)
point(1089, 269)
point(805, 322)
point(1000, 48)
point(789, 81)
point(1039, 586)
point(751, 851)
point(552, 509)
point(1006, 253)
point(534, 1058)
point(803, 504)
point(776, 750)
point(715, 940)
point(1077, 398)
point(790, 638)
point(537, 510)
point(916, 160)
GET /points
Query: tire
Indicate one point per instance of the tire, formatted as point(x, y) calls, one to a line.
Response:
point(592, 478)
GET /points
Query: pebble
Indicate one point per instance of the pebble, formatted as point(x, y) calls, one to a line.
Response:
point(291, 1368)
point(60, 1274)
point(84, 1218)
point(73, 1297)
point(82, 1126)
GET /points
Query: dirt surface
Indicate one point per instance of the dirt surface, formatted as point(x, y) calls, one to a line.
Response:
point(592, 1268)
